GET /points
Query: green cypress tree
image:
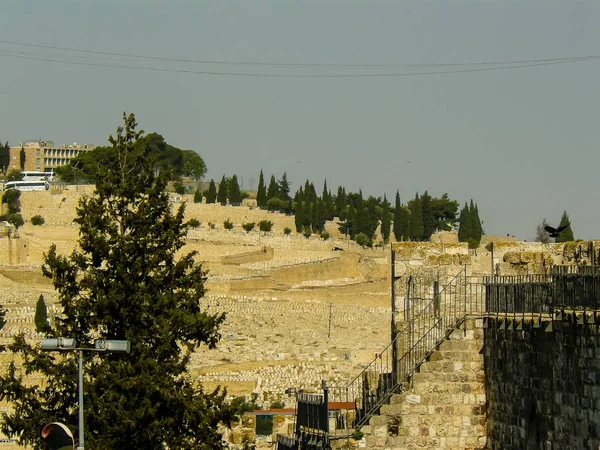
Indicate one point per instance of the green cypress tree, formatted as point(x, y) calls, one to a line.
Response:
point(416, 219)
point(428, 218)
point(299, 217)
point(197, 196)
point(233, 189)
point(22, 157)
point(211, 194)
point(41, 316)
point(405, 223)
point(476, 228)
point(272, 191)
point(315, 214)
point(126, 279)
point(351, 220)
point(385, 220)
point(261, 194)
point(283, 188)
point(222, 195)
point(465, 225)
point(340, 200)
point(397, 218)
point(567, 234)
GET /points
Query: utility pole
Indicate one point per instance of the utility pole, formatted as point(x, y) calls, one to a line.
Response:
point(330, 308)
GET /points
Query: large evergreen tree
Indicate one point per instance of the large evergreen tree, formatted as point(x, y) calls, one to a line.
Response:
point(41, 316)
point(416, 218)
point(385, 220)
point(476, 228)
point(235, 194)
point(211, 194)
point(567, 234)
point(283, 188)
point(272, 190)
point(299, 216)
point(397, 218)
point(261, 193)
point(340, 200)
point(465, 225)
point(429, 225)
point(222, 194)
point(125, 280)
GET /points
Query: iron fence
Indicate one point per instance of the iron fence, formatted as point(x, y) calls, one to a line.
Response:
point(433, 312)
point(286, 442)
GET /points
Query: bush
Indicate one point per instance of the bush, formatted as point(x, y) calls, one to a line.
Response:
point(277, 404)
point(239, 405)
point(265, 225)
point(179, 187)
point(324, 235)
point(248, 227)
point(197, 196)
point(287, 231)
point(276, 204)
point(363, 240)
point(11, 196)
point(37, 220)
point(211, 225)
point(193, 223)
point(14, 175)
point(228, 225)
point(307, 232)
point(13, 218)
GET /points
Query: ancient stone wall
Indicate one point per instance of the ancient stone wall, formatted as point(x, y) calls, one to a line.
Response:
point(444, 408)
point(543, 384)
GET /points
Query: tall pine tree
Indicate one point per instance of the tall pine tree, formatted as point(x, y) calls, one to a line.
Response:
point(211, 194)
point(567, 234)
point(416, 219)
point(428, 217)
point(272, 190)
point(261, 193)
point(234, 192)
point(398, 218)
point(222, 195)
point(465, 225)
point(385, 220)
point(126, 279)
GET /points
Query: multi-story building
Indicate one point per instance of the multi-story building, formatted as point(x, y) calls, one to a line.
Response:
point(44, 155)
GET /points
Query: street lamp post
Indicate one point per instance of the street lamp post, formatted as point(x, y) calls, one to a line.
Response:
point(69, 344)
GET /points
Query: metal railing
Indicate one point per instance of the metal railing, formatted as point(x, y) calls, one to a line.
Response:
point(431, 314)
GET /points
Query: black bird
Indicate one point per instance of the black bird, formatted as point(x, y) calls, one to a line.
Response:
point(554, 232)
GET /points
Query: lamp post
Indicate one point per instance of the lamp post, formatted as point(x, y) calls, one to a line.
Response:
point(62, 344)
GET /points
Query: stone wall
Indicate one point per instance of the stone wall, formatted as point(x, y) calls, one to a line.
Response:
point(543, 383)
point(445, 406)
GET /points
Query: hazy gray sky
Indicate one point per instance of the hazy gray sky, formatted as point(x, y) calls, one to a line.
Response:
point(523, 143)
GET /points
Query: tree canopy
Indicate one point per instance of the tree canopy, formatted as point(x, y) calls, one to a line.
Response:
point(176, 162)
point(125, 280)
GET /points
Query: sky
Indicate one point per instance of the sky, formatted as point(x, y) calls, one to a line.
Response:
point(285, 91)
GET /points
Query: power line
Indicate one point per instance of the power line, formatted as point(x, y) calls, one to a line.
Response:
point(274, 64)
point(284, 75)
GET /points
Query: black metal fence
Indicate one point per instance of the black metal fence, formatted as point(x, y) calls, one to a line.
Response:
point(431, 313)
point(312, 423)
point(286, 442)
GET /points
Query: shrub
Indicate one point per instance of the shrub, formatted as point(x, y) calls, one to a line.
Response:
point(265, 225)
point(37, 220)
point(363, 240)
point(307, 232)
point(14, 218)
point(197, 196)
point(277, 404)
point(276, 204)
point(248, 227)
point(211, 225)
point(324, 235)
point(193, 223)
point(179, 187)
point(287, 231)
point(11, 196)
point(228, 225)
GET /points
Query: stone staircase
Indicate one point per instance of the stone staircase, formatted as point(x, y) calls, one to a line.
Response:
point(444, 406)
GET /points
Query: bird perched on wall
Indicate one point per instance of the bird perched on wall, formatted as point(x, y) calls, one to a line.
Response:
point(554, 232)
